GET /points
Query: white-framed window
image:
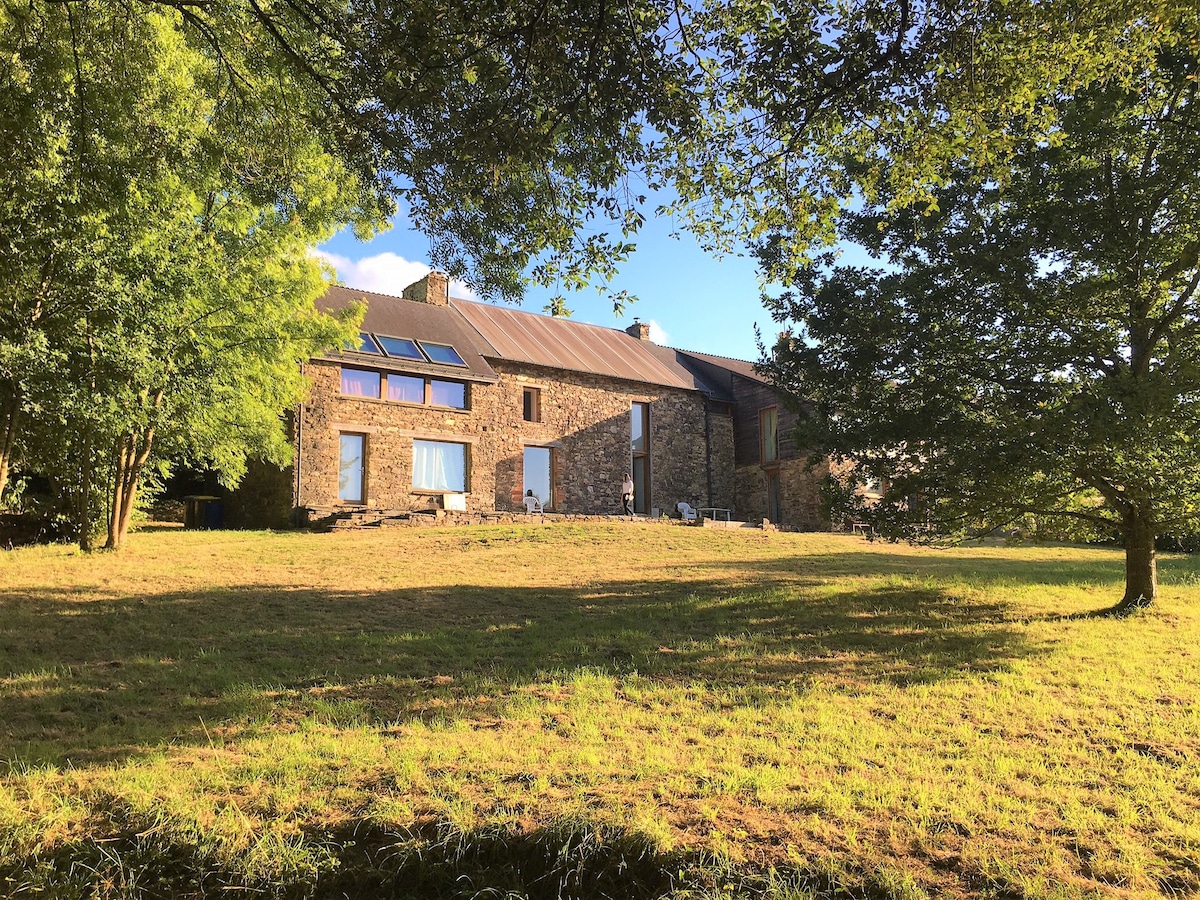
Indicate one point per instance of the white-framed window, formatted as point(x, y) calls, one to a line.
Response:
point(439, 466)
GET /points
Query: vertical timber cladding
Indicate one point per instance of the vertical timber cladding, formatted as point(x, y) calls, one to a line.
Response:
point(585, 420)
point(799, 486)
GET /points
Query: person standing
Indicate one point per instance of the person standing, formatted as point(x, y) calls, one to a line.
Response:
point(627, 496)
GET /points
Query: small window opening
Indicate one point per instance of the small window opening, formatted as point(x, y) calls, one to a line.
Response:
point(532, 405)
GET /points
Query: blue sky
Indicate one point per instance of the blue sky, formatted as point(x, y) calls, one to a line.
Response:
point(691, 299)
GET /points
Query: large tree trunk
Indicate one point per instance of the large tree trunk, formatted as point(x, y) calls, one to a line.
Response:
point(132, 452)
point(1141, 567)
point(10, 410)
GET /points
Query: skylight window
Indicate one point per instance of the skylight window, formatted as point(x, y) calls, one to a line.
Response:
point(441, 353)
point(368, 345)
point(399, 347)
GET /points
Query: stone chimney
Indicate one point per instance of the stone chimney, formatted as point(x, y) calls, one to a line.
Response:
point(639, 330)
point(433, 288)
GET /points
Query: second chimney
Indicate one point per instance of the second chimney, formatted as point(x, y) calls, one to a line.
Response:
point(639, 330)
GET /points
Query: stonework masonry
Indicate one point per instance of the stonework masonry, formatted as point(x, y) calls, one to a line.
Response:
point(584, 420)
point(799, 495)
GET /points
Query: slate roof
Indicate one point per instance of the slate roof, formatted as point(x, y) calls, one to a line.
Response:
point(396, 317)
point(736, 366)
point(481, 331)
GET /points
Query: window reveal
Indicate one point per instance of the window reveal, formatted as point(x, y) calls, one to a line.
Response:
point(532, 404)
point(539, 462)
point(439, 466)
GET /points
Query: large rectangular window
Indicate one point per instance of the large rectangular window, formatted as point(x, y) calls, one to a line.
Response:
point(448, 393)
point(768, 428)
point(352, 453)
point(538, 475)
point(406, 389)
point(639, 444)
point(360, 383)
point(439, 466)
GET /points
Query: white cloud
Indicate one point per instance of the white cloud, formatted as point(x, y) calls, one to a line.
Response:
point(385, 273)
point(658, 335)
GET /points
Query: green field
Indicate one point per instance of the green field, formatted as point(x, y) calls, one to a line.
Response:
point(586, 711)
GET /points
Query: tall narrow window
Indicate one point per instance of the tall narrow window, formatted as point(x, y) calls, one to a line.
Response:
point(538, 468)
point(439, 466)
point(768, 425)
point(532, 402)
point(639, 444)
point(774, 507)
point(352, 468)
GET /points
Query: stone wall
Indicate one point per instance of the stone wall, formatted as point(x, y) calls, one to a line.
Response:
point(585, 420)
point(799, 495)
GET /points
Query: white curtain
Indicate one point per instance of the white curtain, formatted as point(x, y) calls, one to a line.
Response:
point(439, 466)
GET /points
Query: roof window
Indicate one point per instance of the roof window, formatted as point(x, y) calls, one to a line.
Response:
point(441, 353)
point(368, 345)
point(399, 347)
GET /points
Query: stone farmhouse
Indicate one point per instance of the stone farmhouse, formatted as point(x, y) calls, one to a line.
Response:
point(462, 406)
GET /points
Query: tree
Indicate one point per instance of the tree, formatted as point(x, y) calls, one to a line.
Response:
point(158, 153)
point(154, 243)
point(1032, 345)
point(807, 109)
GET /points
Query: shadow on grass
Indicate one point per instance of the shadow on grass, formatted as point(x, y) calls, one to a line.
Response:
point(96, 681)
point(564, 861)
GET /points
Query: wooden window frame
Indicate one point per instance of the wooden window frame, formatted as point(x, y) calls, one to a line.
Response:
point(363, 467)
point(531, 404)
point(762, 436)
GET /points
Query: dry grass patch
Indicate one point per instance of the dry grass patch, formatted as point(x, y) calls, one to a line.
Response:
point(586, 711)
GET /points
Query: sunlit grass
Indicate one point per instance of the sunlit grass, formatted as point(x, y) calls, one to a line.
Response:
point(622, 711)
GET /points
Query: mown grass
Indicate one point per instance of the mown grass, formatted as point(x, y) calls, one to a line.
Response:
point(578, 711)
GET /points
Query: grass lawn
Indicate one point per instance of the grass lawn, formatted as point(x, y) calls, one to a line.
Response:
point(593, 711)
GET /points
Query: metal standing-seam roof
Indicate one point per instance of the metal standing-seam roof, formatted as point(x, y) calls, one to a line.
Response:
point(563, 344)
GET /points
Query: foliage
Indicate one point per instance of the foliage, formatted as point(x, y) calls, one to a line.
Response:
point(1027, 345)
point(170, 164)
point(810, 108)
point(762, 711)
point(155, 248)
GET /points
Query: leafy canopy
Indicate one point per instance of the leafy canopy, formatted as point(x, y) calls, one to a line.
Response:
point(1032, 345)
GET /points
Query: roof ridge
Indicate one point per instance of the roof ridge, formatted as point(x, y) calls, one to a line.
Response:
point(715, 355)
point(357, 290)
point(566, 320)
